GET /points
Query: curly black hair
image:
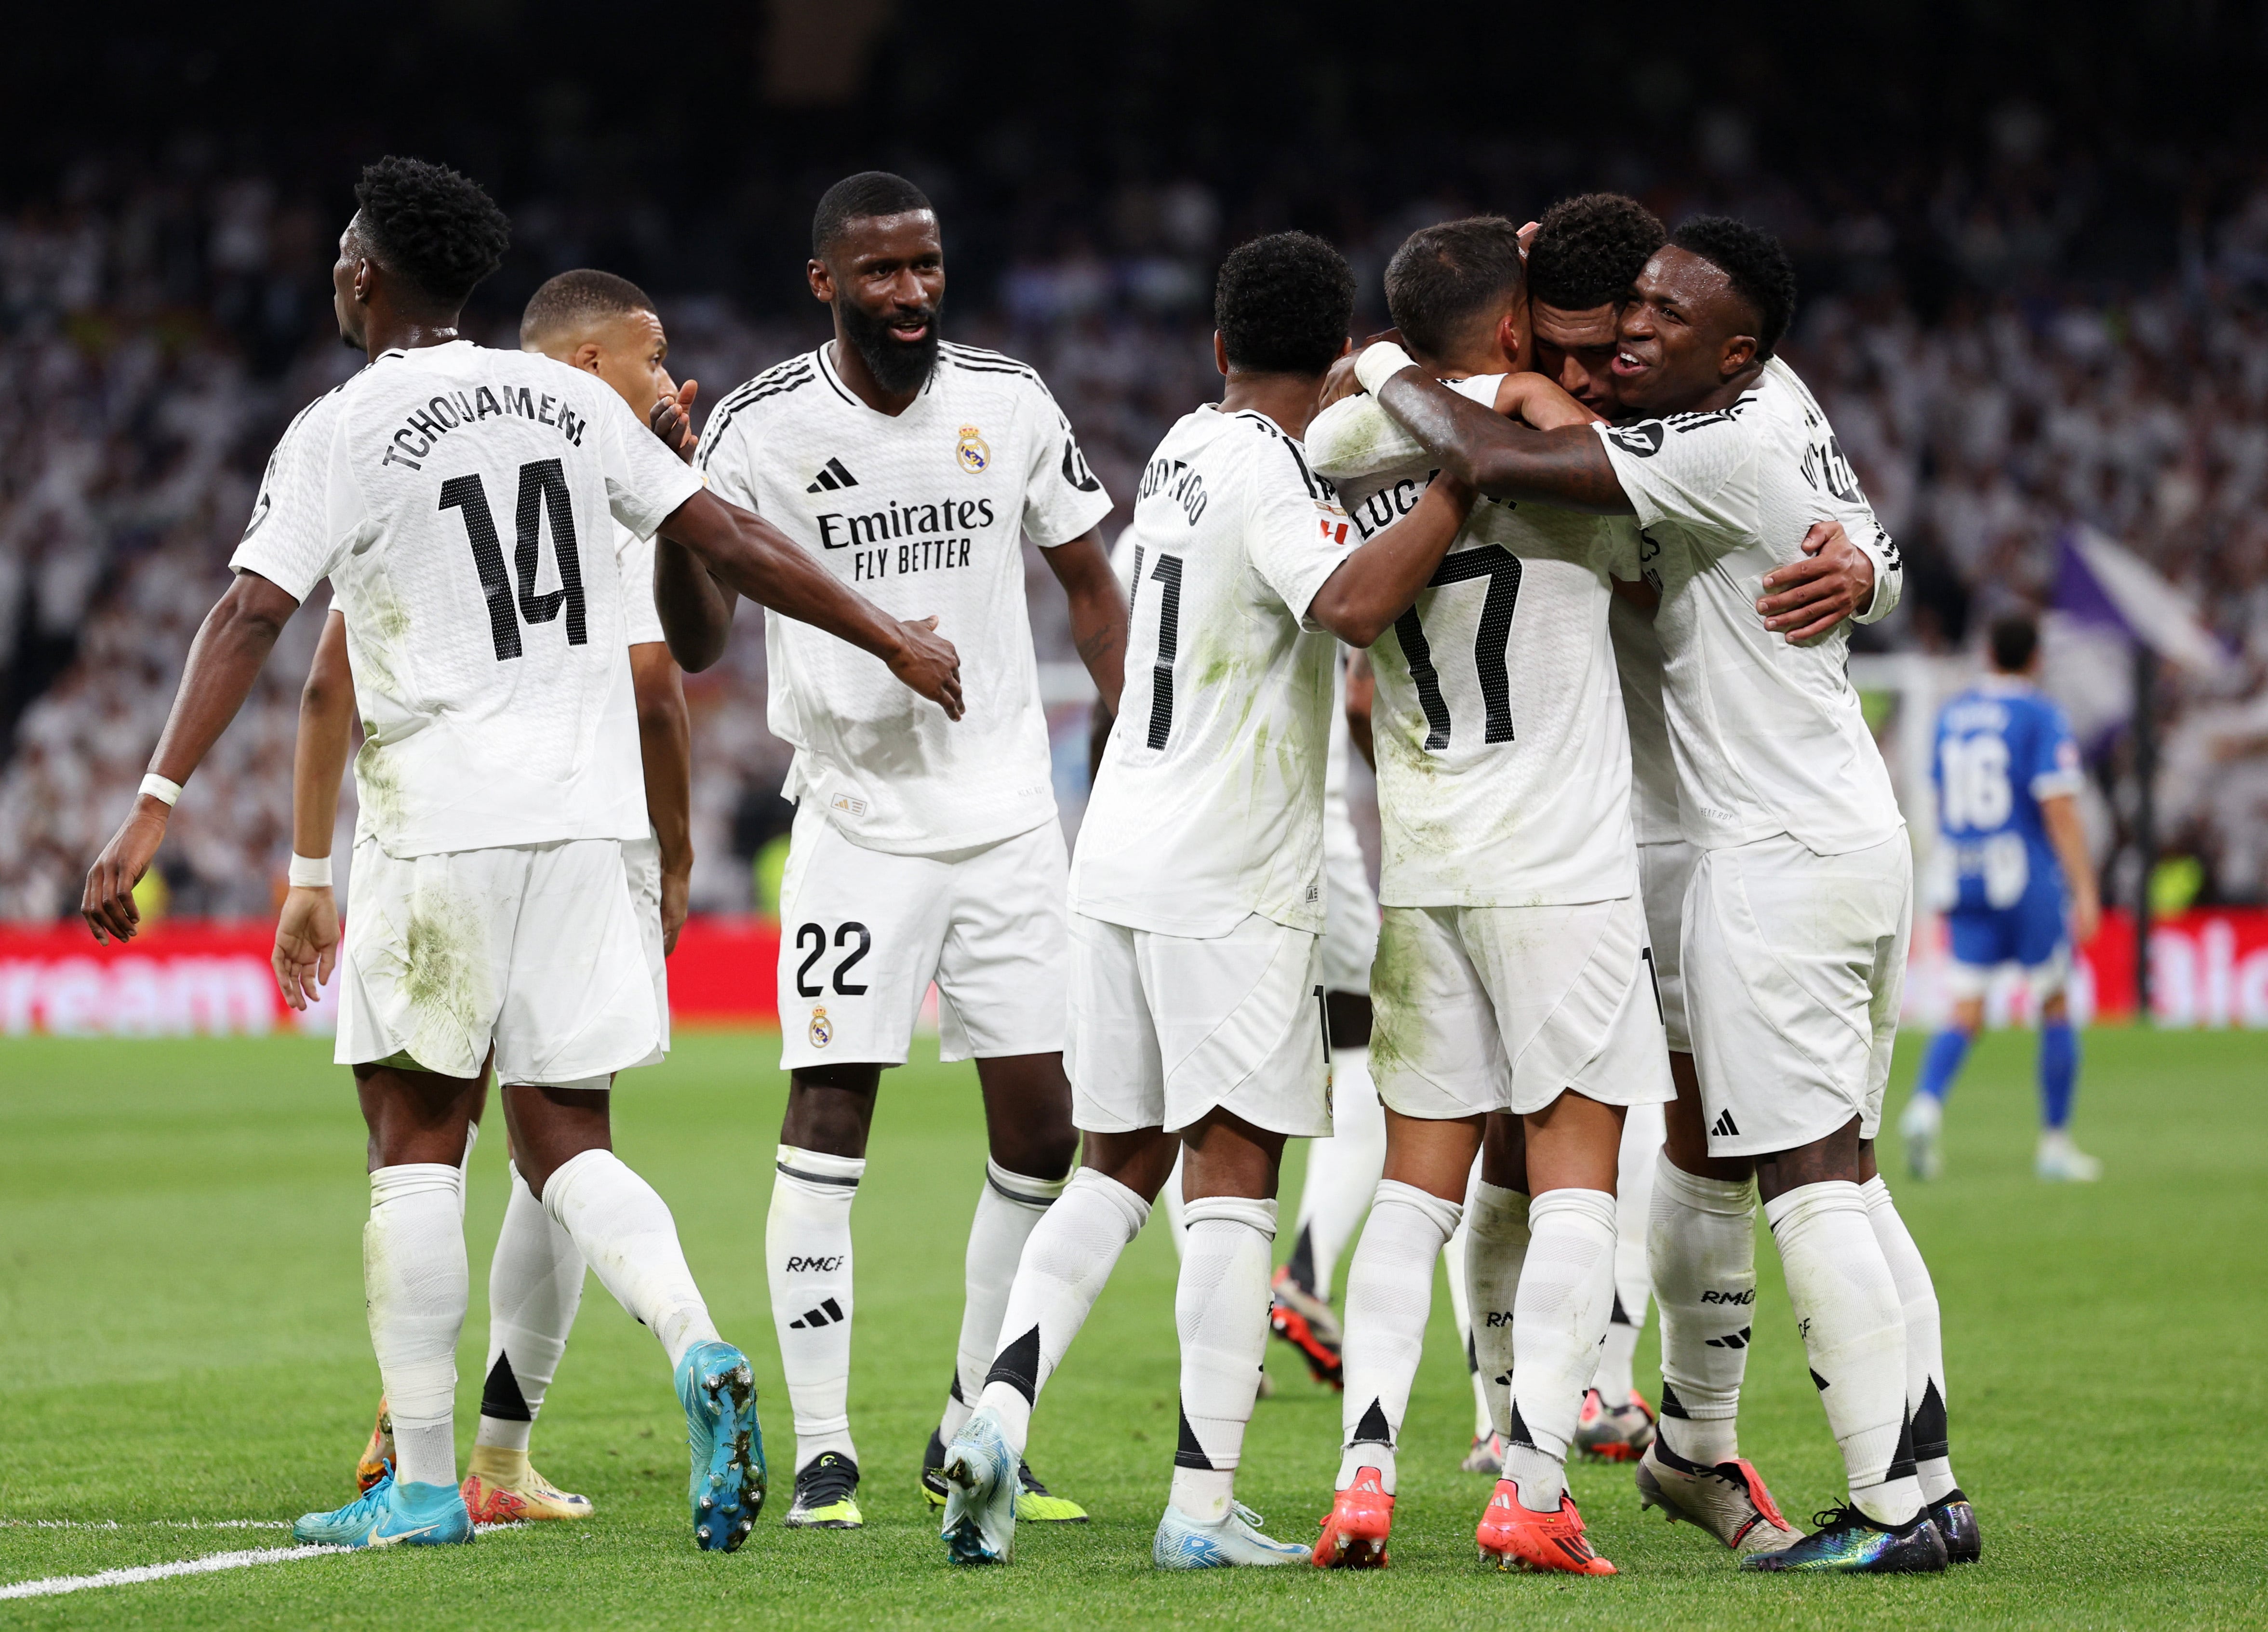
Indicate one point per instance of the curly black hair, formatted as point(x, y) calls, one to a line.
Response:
point(868, 193)
point(1589, 250)
point(577, 298)
point(432, 227)
point(1444, 275)
point(1755, 265)
point(1283, 304)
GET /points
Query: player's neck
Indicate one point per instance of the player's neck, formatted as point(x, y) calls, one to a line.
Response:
point(1287, 399)
point(1461, 363)
point(851, 367)
point(388, 330)
point(1726, 393)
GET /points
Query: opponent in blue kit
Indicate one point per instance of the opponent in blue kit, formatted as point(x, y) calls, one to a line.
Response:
point(2008, 778)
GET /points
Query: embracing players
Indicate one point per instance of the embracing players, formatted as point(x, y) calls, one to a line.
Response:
point(501, 777)
point(1796, 917)
point(923, 851)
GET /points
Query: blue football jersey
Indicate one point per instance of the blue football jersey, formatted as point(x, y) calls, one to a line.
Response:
point(2001, 748)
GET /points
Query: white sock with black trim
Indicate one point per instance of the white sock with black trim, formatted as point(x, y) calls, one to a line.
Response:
point(1701, 1246)
point(535, 1286)
point(807, 1261)
point(1390, 1297)
point(1220, 1308)
point(1559, 1315)
point(417, 1289)
point(1008, 1209)
point(1496, 1250)
point(1926, 1396)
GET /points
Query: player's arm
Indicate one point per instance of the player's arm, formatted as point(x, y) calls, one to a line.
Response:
point(696, 606)
point(755, 558)
point(307, 929)
point(1566, 467)
point(2060, 816)
point(1835, 579)
point(1097, 611)
point(666, 748)
point(224, 660)
point(1378, 581)
point(1361, 691)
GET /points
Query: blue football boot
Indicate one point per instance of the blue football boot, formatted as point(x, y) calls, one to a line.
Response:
point(1235, 1541)
point(1848, 1542)
point(979, 1472)
point(727, 1443)
point(391, 1514)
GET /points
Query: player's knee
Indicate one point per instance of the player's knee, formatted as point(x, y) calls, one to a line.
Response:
point(831, 1111)
point(1042, 1146)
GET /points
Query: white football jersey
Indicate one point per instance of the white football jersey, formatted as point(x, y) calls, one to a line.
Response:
point(1768, 737)
point(454, 495)
point(634, 560)
point(923, 513)
point(1653, 771)
point(1209, 808)
point(1502, 756)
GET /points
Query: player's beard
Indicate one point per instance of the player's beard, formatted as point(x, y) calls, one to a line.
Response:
point(897, 366)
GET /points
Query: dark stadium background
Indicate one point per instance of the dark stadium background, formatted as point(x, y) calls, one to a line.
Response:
point(2033, 243)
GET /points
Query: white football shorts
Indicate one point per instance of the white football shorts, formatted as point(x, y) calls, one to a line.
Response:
point(1662, 872)
point(1165, 1029)
point(1478, 1008)
point(863, 933)
point(642, 864)
point(533, 947)
point(1350, 911)
point(1795, 964)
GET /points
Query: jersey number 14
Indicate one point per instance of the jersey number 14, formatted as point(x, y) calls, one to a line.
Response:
point(542, 492)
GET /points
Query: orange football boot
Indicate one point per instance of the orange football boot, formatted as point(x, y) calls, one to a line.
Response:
point(1512, 1538)
point(1354, 1535)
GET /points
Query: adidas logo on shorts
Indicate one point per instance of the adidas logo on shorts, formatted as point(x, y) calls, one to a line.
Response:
point(1724, 1127)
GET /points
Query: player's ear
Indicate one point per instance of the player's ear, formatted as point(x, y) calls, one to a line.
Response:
point(1221, 353)
point(585, 356)
point(821, 280)
point(1738, 353)
point(1346, 347)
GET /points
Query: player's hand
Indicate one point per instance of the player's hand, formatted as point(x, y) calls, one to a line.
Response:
point(1339, 382)
point(672, 420)
point(108, 905)
point(1805, 600)
point(1527, 238)
point(2086, 918)
point(926, 662)
point(307, 944)
point(677, 891)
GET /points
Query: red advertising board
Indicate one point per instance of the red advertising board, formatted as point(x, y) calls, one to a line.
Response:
point(183, 977)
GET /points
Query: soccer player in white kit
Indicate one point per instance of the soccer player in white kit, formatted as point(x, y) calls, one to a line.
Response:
point(501, 776)
point(921, 851)
point(1197, 1027)
point(593, 320)
point(1796, 918)
point(1513, 990)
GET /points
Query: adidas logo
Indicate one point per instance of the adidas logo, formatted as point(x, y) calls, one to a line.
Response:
point(1724, 1127)
point(1732, 1340)
point(833, 475)
point(812, 1319)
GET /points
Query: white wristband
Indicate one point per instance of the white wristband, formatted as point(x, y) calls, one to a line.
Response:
point(1380, 363)
point(309, 871)
point(160, 789)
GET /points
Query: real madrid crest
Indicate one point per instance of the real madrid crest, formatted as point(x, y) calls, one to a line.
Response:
point(822, 1030)
point(973, 452)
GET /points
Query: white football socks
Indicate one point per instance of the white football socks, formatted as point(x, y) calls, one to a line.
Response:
point(1008, 1209)
point(1220, 1307)
point(1343, 1171)
point(535, 1286)
point(1389, 1296)
point(1854, 1333)
point(1924, 1341)
point(625, 1231)
point(1496, 1221)
point(1701, 1243)
point(1453, 1259)
point(1066, 1262)
point(1633, 1284)
point(1566, 1294)
point(808, 1257)
point(416, 1289)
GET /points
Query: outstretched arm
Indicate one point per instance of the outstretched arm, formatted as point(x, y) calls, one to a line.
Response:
point(751, 556)
point(224, 661)
point(2060, 815)
point(307, 928)
point(1376, 584)
point(1098, 611)
point(1565, 467)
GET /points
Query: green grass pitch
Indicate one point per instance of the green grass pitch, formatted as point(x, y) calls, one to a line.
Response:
point(182, 1337)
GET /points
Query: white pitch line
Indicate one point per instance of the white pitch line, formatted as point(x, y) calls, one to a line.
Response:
point(145, 1524)
point(54, 1586)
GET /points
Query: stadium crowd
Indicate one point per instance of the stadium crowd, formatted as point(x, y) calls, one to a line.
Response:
point(155, 336)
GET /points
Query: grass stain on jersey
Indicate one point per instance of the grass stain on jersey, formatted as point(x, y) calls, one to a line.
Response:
point(378, 785)
point(1395, 1001)
point(445, 975)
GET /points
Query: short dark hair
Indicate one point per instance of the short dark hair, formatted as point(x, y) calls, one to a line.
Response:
point(574, 298)
point(1444, 275)
point(432, 227)
point(1589, 249)
point(1283, 304)
point(2014, 638)
point(1755, 265)
point(869, 193)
